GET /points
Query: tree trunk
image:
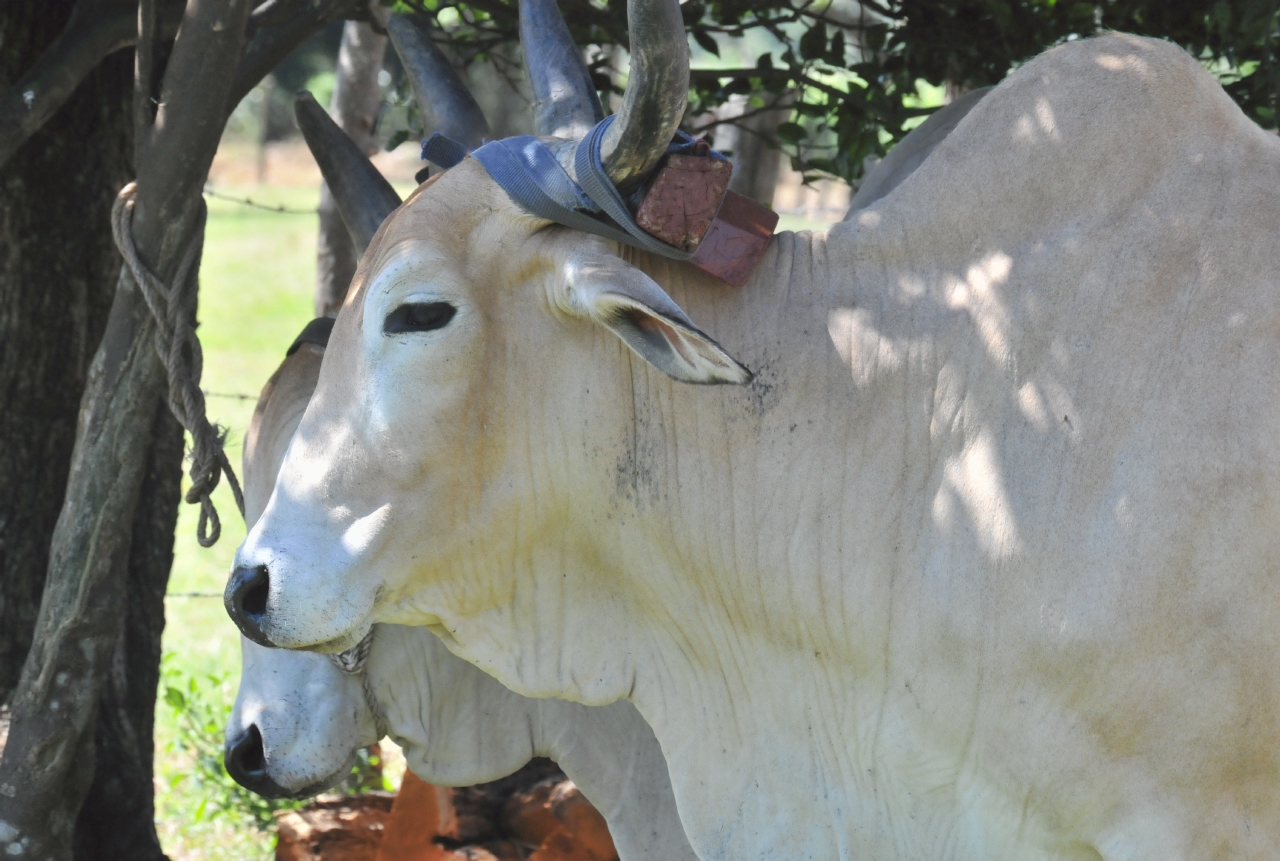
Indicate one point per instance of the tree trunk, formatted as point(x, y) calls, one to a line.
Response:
point(117, 822)
point(58, 270)
point(355, 109)
point(91, 602)
point(753, 142)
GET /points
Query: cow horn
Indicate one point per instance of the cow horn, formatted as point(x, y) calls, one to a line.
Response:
point(363, 195)
point(446, 104)
point(565, 104)
point(657, 92)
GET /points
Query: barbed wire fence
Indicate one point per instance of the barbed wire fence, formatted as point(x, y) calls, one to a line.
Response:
point(250, 202)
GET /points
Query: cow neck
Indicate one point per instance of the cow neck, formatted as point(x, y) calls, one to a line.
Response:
point(614, 758)
point(457, 725)
point(725, 611)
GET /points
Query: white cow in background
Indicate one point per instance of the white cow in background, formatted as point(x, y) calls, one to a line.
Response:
point(299, 719)
point(981, 565)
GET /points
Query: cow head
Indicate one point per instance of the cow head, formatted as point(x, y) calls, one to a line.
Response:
point(300, 718)
point(297, 723)
point(476, 371)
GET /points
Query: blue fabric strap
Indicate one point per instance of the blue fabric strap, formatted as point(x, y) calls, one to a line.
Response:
point(443, 151)
point(529, 172)
point(595, 181)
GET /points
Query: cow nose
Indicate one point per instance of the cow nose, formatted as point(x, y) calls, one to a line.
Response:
point(246, 601)
point(246, 762)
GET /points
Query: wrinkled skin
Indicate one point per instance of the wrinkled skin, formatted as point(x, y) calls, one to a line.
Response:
point(980, 565)
point(457, 726)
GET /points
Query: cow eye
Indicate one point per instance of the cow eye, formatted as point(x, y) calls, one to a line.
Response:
point(418, 317)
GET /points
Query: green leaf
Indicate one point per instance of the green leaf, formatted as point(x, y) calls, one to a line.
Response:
point(875, 36)
point(813, 44)
point(707, 43)
point(1221, 16)
point(791, 132)
point(174, 698)
point(396, 139)
point(836, 55)
point(1082, 13)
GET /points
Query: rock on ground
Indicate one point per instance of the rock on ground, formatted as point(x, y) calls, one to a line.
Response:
point(536, 814)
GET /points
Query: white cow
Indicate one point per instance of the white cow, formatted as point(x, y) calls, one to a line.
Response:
point(982, 563)
point(299, 719)
point(912, 151)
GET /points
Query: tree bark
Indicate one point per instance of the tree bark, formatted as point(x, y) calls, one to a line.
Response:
point(354, 108)
point(81, 626)
point(58, 269)
point(92, 32)
point(58, 272)
point(117, 821)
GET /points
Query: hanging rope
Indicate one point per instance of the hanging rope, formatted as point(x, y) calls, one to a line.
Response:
point(174, 311)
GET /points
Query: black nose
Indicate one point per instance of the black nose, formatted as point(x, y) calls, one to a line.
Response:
point(246, 762)
point(246, 601)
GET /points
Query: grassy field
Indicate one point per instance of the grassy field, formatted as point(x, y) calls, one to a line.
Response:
point(257, 280)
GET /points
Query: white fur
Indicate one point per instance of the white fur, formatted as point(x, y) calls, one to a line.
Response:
point(981, 566)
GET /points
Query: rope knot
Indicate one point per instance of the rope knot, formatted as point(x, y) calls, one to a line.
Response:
point(178, 346)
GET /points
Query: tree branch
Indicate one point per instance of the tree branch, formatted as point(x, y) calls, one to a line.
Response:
point(100, 27)
point(271, 43)
point(88, 37)
point(702, 76)
point(274, 13)
point(780, 103)
point(96, 29)
point(144, 75)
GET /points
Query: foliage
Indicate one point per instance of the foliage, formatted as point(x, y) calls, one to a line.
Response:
point(201, 709)
point(856, 66)
point(201, 706)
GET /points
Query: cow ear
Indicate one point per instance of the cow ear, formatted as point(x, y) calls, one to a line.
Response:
point(630, 304)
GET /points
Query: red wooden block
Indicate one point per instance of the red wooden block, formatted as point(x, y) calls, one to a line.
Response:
point(736, 240)
point(683, 198)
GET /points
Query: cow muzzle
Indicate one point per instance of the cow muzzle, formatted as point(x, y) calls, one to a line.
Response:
point(246, 762)
point(246, 601)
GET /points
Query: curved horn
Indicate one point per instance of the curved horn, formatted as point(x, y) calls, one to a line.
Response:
point(446, 104)
point(565, 104)
point(363, 195)
point(657, 92)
